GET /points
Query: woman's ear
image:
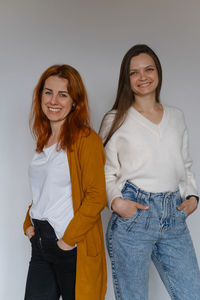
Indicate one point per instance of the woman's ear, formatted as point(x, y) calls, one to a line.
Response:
point(73, 106)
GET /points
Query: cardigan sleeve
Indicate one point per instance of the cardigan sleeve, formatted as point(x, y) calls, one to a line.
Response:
point(91, 160)
point(27, 221)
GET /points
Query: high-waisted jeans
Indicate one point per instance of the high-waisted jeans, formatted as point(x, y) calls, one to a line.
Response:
point(159, 233)
point(52, 271)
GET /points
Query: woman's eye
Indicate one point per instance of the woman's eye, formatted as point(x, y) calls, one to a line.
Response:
point(133, 73)
point(63, 95)
point(47, 93)
point(150, 69)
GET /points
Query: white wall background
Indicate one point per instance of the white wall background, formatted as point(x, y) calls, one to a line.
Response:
point(92, 36)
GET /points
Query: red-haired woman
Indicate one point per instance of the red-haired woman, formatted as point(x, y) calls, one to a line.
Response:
point(67, 182)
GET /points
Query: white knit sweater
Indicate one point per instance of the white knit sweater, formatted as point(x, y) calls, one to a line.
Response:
point(153, 157)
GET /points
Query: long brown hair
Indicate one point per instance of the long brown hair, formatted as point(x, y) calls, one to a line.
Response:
point(78, 119)
point(125, 96)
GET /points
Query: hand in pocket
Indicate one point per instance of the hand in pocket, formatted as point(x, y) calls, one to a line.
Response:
point(62, 245)
point(30, 232)
point(126, 208)
point(190, 205)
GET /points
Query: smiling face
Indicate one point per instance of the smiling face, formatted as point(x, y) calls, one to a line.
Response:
point(56, 102)
point(143, 75)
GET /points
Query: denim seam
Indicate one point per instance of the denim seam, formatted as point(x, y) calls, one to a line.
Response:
point(115, 279)
point(128, 184)
point(50, 292)
point(134, 221)
point(160, 266)
point(124, 187)
point(109, 238)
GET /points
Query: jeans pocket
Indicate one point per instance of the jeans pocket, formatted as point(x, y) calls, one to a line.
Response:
point(129, 223)
point(132, 219)
point(32, 238)
point(70, 252)
point(182, 213)
point(128, 192)
point(124, 187)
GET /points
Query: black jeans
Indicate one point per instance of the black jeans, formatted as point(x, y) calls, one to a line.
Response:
point(52, 271)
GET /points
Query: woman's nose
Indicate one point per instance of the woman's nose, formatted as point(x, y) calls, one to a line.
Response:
point(142, 76)
point(53, 99)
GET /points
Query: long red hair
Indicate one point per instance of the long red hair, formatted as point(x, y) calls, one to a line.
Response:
point(77, 120)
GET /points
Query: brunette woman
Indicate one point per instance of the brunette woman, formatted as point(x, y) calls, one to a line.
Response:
point(67, 182)
point(150, 186)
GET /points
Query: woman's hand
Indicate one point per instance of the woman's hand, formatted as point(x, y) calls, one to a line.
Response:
point(126, 208)
point(30, 231)
point(62, 245)
point(190, 205)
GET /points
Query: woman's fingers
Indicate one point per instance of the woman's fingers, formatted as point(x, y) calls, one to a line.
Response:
point(30, 231)
point(189, 205)
point(129, 208)
point(191, 202)
point(31, 234)
point(62, 245)
point(126, 208)
point(140, 206)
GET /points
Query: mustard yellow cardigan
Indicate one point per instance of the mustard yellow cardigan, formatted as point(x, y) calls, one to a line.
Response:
point(86, 164)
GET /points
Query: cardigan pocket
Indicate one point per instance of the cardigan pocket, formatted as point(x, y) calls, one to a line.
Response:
point(93, 241)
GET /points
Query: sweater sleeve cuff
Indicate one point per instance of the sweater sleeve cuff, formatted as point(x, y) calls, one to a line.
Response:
point(112, 194)
point(188, 197)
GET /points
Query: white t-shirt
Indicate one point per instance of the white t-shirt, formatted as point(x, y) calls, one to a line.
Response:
point(51, 189)
point(153, 157)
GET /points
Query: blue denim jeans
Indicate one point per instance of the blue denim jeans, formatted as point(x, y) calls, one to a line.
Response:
point(159, 233)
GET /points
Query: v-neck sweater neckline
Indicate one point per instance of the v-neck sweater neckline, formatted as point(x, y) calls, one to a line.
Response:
point(155, 128)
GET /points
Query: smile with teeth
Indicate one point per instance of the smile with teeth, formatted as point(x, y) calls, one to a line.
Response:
point(144, 84)
point(54, 109)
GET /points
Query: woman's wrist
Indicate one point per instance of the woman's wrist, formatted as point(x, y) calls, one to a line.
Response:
point(189, 196)
point(30, 231)
point(116, 204)
point(64, 246)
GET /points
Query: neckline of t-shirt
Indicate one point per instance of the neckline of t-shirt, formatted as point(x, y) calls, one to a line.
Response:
point(47, 149)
